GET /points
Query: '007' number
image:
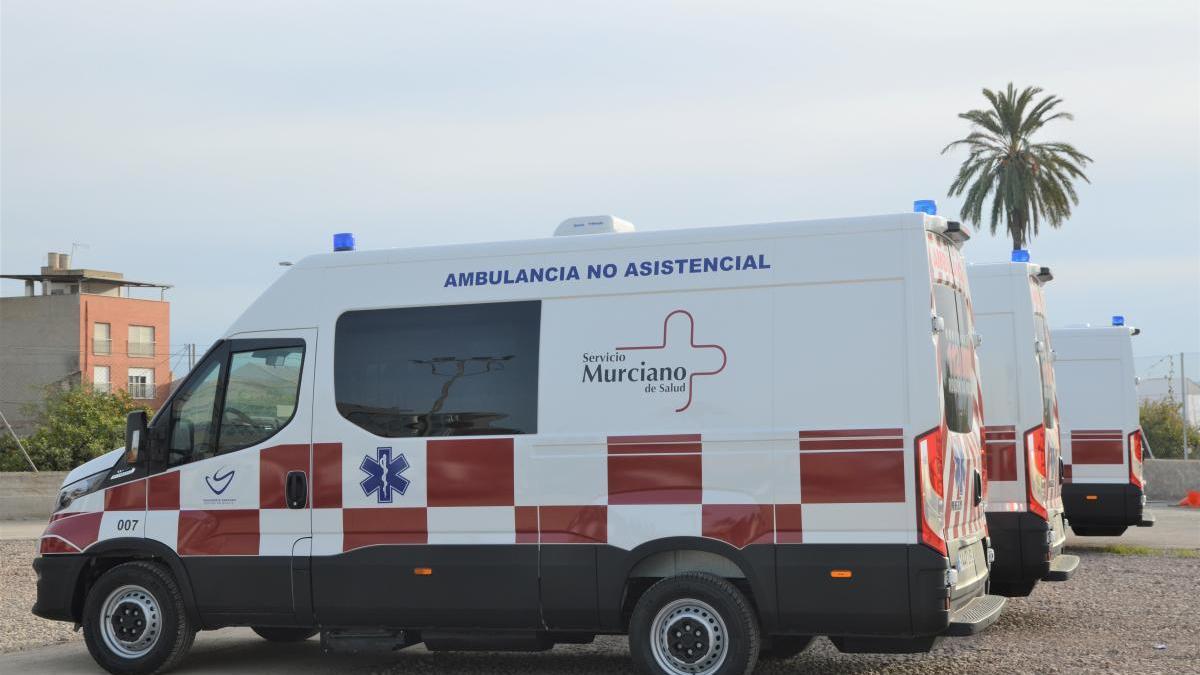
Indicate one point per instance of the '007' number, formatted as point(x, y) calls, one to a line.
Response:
point(127, 525)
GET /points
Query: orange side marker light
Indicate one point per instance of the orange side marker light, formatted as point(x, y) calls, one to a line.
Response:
point(422, 571)
point(841, 574)
point(1092, 498)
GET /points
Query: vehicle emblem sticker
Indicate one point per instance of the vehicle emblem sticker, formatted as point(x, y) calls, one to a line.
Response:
point(219, 482)
point(384, 475)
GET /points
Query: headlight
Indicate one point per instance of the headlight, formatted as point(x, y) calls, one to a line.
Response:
point(79, 488)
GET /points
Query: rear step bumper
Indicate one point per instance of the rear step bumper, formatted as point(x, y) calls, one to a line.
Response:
point(1062, 567)
point(1148, 519)
point(976, 615)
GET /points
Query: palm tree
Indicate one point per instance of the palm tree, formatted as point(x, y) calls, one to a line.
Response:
point(1029, 182)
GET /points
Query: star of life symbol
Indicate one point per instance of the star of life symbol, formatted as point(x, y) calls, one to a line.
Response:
point(384, 475)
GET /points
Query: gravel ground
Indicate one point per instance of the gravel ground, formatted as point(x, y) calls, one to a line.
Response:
point(19, 628)
point(1120, 613)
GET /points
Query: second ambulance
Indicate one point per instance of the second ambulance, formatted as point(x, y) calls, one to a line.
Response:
point(1021, 439)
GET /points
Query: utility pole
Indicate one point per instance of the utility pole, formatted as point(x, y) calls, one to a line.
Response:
point(1186, 423)
point(191, 356)
point(19, 443)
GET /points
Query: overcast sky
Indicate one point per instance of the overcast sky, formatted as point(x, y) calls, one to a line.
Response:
point(198, 144)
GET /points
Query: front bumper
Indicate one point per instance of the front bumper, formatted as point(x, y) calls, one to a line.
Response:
point(1103, 504)
point(57, 580)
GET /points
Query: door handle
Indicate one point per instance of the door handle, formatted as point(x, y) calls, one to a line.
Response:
point(978, 480)
point(295, 490)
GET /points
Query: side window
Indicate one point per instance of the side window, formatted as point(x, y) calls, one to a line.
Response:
point(956, 359)
point(461, 370)
point(260, 397)
point(192, 433)
point(1045, 370)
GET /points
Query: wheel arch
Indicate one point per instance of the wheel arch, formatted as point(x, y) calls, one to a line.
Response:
point(109, 553)
point(624, 575)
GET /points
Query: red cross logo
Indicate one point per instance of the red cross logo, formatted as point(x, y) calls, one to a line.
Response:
point(675, 340)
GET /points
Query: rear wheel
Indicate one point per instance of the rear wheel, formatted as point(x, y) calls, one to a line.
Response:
point(284, 634)
point(134, 620)
point(693, 624)
point(1098, 530)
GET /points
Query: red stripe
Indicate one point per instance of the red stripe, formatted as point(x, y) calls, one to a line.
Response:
point(164, 492)
point(844, 433)
point(327, 475)
point(665, 443)
point(789, 524)
point(847, 477)
point(130, 496)
point(1002, 461)
point(739, 524)
point(574, 524)
point(526, 524)
point(373, 527)
point(853, 444)
point(218, 532)
point(274, 464)
point(81, 530)
point(654, 479)
point(1097, 452)
point(470, 472)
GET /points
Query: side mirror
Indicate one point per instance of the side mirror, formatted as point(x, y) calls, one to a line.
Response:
point(135, 435)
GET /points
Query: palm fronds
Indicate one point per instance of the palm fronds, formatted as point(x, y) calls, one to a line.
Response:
point(1028, 182)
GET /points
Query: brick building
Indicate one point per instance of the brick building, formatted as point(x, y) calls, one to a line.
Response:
point(81, 325)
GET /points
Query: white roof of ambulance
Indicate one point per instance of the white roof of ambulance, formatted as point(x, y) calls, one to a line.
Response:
point(322, 285)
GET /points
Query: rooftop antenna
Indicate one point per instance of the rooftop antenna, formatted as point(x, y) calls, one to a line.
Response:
point(75, 245)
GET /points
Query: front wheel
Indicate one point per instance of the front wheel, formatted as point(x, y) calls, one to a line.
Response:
point(134, 620)
point(693, 624)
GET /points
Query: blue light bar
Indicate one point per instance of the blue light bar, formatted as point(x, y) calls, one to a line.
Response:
point(1020, 255)
point(928, 206)
point(343, 241)
point(1118, 320)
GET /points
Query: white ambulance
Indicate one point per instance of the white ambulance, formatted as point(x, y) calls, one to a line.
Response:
point(1021, 443)
point(718, 441)
point(1104, 490)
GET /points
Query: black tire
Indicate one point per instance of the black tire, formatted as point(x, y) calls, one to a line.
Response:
point(1098, 530)
point(157, 606)
point(782, 647)
point(284, 634)
point(733, 651)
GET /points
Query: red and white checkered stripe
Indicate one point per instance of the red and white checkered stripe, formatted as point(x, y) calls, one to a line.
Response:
point(845, 486)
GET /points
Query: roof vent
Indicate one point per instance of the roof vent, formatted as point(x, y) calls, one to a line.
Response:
point(592, 225)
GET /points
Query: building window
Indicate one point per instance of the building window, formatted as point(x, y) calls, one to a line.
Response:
point(462, 370)
point(141, 340)
point(100, 379)
point(141, 383)
point(102, 339)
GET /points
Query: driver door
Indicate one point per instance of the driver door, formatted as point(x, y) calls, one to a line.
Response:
point(237, 447)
